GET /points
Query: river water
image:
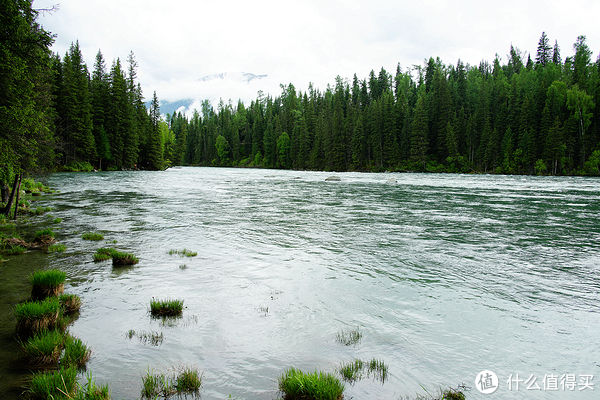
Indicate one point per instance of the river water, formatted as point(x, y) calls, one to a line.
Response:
point(445, 276)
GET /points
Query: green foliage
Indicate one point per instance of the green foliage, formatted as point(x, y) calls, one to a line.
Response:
point(295, 384)
point(53, 384)
point(78, 166)
point(183, 253)
point(540, 167)
point(349, 337)
point(12, 250)
point(120, 258)
point(76, 353)
point(37, 309)
point(57, 248)
point(154, 385)
point(188, 381)
point(358, 369)
point(44, 233)
point(50, 277)
point(223, 149)
point(352, 371)
point(104, 253)
point(92, 236)
point(69, 303)
point(44, 348)
point(166, 307)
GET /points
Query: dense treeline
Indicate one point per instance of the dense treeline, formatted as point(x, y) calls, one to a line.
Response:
point(526, 116)
point(54, 114)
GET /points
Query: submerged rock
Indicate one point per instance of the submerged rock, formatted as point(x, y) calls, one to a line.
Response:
point(333, 178)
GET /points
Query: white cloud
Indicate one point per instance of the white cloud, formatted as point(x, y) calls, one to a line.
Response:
point(178, 42)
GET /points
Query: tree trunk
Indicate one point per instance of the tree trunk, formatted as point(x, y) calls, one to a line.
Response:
point(18, 193)
point(5, 193)
point(6, 210)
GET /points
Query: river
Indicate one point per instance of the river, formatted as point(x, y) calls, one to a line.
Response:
point(445, 276)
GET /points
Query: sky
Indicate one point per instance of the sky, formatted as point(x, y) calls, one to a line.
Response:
point(181, 45)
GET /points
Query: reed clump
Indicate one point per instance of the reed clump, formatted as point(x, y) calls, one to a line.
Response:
point(48, 283)
point(166, 307)
point(122, 259)
point(37, 316)
point(69, 303)
point(44, 348)
point(318, 385)
point(94, 236)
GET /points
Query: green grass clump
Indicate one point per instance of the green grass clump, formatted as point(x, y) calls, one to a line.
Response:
point(76, 353)
point(54, 384)
point(166, 308)
point(95, 236)
point(183, 253)
point(452, 394)
point(39, 210)
point(91, 391)
point(188, 381)
point(44, 233)
point(36, 316)
point(14, 250)
point(349, 337)
point(378, 369)
point(352, 371)
point(44, 348)
point(119, 258)
point(154, 385)
point(69, 303)
point(104, 253)
point(298, 385)
point(57, 248)
point(47, 283)
point(57, 220)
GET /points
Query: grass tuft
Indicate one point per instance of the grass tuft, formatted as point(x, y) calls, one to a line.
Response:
point(378, 369)
point(166, 307)
point(183, 253)
point(13, 250)
point(188, 381)
point(57, 248)
point(104, 253)
point(349, 337)
point(57, 220)
point(69, 303)
point(47, 283)
point(76, 353)
point(95, 236)
point(36, 316)
point(353, 371)
point(298, 385)
point(44, 233)
point(53, 384)
point(44, 348)
point(119, 259)
point(452, 394)
point(154, 338)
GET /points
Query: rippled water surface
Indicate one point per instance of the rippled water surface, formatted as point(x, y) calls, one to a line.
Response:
point(445, 275)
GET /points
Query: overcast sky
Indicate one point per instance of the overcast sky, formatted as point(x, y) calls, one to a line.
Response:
point(178, 42)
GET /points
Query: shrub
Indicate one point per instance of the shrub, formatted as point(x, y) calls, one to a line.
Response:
point(166, 308)
point(95, 236)
point(318, 385)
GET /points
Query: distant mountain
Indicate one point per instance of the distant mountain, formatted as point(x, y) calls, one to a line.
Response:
point(233, 76)
point(169, 107)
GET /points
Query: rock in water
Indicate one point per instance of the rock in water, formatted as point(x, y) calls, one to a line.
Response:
point(333, 178)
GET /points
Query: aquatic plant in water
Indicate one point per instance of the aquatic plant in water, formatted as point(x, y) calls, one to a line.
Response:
point(318, 385)
point(36, 316)
point(69, 303)
point(94, 236)
point(104, 253)
point(166, 307)
point(47, 283)
point(76, 353)
point(349, 337)
point(120, 259)
point(183, 253)
point(57, 248)
point(44, 348)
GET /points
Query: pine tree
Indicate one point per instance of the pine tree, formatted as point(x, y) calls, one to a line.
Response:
point(418, 139)
point(543, 51)
point(154, 151)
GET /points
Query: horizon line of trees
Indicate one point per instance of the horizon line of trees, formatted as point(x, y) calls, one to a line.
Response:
point(526, 116)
